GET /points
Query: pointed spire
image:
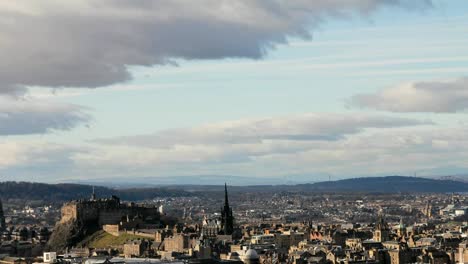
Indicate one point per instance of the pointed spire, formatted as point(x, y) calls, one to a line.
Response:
point(226, 200)
point(227, 219)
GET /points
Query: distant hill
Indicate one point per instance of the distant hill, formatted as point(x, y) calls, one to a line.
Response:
point(66, 192)
point(387, 184)
point(459, 178)
point(208, 180)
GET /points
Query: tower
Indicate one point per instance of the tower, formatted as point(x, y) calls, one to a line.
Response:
point(227, 220)
point(382, 231)
point(401, 229)
point(2, 217)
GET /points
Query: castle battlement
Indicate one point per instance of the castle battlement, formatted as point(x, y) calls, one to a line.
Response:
point(105, 211)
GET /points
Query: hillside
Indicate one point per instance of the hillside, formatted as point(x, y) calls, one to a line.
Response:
point(387, 184)
point(394, 184)
point(66, 192)
point(102, 239)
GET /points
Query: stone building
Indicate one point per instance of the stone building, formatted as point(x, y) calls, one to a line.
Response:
point(177, 243)
point(137, 248)
point(434, 256)
point(106, 211)
point(463, 252)
point(211, 227)
point(224, 225)
point(381, 231)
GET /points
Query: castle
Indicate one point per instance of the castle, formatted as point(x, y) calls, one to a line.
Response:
point(106, 211)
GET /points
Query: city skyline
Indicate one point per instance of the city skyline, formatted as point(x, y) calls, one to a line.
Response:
point(118, 90)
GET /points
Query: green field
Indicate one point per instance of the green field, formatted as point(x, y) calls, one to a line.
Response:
point(102, 239)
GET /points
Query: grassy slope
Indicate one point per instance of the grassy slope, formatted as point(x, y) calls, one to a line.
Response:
point(102, 239)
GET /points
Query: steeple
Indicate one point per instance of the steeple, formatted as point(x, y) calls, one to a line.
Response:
point(227, 220)
point(226, 199)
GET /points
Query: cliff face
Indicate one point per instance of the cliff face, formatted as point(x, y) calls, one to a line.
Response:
point(68, 234)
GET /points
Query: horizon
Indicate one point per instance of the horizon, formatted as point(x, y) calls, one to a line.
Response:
point(282, 91)
point(122, 185)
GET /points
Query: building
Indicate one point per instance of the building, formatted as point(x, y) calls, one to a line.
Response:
point(177, 243)
point(227, 219)
point(381, 231)
point(211, 227)
point(106, 211)
point(2, 218)
point(463, 252)
point(137, 248)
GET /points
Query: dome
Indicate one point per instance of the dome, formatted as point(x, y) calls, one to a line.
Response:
point(251, 254)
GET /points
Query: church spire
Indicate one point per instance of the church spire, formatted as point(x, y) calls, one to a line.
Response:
point(226, 199)
point(227, 220)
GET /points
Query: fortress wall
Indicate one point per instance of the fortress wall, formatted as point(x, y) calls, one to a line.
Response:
point(114, 216)
point(104, 212)
point(87, 212)
point(111, 217)
point(111, 229)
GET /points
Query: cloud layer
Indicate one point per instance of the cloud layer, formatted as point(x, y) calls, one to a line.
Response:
point(26, 116)
point(90, 43)
point(303, 127)
point(361, 145)
point(437, 97)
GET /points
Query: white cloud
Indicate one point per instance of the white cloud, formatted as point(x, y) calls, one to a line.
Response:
point(304, 127)
point(436, 97)
point(30, 153)
point(21, 116)
point(90, 43)
point(236, 142)
point(366, 146)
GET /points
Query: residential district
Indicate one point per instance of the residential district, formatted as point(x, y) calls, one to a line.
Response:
point(251, 228)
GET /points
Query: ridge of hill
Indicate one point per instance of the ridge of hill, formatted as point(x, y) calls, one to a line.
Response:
point(389, 184)
point(68, 191)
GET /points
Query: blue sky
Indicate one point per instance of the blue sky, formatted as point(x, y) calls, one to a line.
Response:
point(215, 116)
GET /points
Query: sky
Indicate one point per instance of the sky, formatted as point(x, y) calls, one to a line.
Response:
point(264, 89)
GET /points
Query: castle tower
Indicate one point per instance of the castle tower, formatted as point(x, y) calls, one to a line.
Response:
point(2, 218)
point(227, 220)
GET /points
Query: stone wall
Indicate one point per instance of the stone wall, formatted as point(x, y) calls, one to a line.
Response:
point(111, 229)
point(104, 212)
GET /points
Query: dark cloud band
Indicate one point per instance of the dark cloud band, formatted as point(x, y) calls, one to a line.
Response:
point(90, 43)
